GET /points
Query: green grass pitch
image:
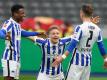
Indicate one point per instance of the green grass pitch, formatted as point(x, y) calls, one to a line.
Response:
point(29, 77)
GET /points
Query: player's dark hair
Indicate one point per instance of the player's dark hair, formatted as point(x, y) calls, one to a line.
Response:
point(52, 28)
point(15, 8)
point(87, 9)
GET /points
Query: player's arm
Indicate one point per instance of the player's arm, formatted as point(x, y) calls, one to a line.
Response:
point(27, 33)
point(75, 39)
point(102, 49)
point(66, 40)
point(36, 39)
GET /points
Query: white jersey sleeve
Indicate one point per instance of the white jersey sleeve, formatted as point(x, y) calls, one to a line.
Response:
point(7, 26)
point(39, 41)
point(77, 33)
point(66, 40)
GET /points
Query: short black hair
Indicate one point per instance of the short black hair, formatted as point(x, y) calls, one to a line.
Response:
point(16, 7)
point(87, 9)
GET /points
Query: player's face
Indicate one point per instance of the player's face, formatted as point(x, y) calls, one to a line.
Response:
point(20, 15)
point(54, 35)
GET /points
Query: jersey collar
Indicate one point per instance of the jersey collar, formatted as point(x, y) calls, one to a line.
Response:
point(14, 20)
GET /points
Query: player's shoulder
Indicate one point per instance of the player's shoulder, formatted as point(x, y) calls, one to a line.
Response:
point(96, 26)
point(7, 22)
point(78, 27)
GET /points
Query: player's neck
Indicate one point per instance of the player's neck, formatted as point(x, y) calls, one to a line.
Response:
point(53, 42)
point(86, 20)
point(15, 19)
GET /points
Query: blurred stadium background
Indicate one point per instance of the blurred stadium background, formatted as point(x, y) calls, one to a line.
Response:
point(40, 15)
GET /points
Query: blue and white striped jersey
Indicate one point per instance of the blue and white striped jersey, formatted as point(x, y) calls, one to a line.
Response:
point(49, 52)
point(86, 34)
point(12, 50)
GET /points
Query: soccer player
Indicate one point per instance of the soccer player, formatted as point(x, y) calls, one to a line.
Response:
point(11, 56)
point(51, 47)
point(84, 37)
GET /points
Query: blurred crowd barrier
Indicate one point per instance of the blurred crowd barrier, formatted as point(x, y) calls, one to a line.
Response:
point(41, 24)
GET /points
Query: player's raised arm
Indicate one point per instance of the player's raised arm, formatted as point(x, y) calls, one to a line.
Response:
point(102, 49)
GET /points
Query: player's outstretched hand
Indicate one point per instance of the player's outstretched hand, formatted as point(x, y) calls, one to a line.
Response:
point(105, 64)
point(42, 35)
point(95, 20)
point(57, 61)
point(8, 36)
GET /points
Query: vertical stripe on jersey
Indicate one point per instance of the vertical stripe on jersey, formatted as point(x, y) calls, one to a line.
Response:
point(43, 59)
point(13, 42)
point(87, 60)
point(17, 47)
point(54, 52)
point(16, 29)
point(14, 55)
point(90, 58)
point(48, 58)
point(6, 53)
point(77, 58)
point(17, 41)
point(59, 52)
point(82, 59)
point(9, 27)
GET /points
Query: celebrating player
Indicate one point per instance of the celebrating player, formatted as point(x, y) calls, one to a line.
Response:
point(11, 56)
point(84, 37)
point(51, 47)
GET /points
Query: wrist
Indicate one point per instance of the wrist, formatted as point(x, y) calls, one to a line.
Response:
point(105, 60)
point(64, 56)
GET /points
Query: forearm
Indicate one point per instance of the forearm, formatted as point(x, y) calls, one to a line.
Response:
point(70, 48)
point(27, 33)
point(72, 45)
point(102, 49)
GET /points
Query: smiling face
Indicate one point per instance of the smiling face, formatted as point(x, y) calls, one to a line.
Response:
point(20, 14)
point(54, 35)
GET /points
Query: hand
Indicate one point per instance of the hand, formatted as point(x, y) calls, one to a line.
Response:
point(95, 20)
point(8, 36)
point(57, 61)
point(105, 64)
point(42, 34)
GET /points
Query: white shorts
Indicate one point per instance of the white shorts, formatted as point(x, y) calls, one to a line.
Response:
point(44, 76)
point(10, 68)
point(78, 72)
